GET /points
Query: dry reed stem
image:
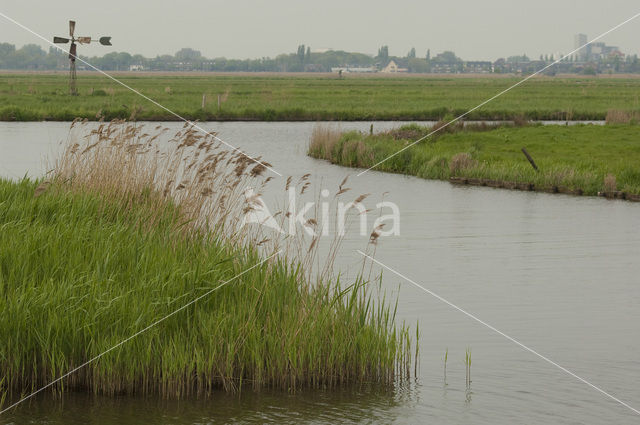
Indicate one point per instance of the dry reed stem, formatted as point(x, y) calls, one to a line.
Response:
point(124, 162)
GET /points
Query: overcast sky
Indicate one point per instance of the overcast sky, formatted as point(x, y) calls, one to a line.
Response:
point(473, 29)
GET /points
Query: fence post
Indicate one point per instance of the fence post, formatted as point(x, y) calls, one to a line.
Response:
point(533, 164)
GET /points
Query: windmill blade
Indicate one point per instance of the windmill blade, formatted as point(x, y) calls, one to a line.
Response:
point(72, 27)
point(105, 41)
point(84, 40)
point(60, 40)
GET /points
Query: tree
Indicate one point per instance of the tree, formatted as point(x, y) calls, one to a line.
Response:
point(188, 55)
point(308, 56)
point(383, 53)
point(515, 59)
point(123, 60)
point(6, 55)
point(428, 54)
point(6, 49)
point(447, 57)
point(138, 59)
point(301, 52)
point(616, 63)
point(418, 65)
point(29, 56)
point(412, 53)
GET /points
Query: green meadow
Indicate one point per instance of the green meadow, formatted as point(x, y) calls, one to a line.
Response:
point(583, 158)
point(269, 97)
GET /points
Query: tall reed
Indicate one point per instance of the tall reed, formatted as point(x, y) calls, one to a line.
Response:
point(127, 230)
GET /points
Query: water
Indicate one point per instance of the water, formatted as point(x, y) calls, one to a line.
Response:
point(557, 273)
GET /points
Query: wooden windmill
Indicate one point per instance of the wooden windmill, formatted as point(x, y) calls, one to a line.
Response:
point(105, 41)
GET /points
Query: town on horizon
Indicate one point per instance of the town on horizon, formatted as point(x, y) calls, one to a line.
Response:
point(594, 58)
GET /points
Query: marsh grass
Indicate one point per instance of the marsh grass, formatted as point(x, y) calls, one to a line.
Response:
point(125, 231)
point(576, 157)
point(617, 116)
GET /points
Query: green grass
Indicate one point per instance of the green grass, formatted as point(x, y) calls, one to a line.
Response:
point(574, 157)
point(31, 97)
point(79, 273)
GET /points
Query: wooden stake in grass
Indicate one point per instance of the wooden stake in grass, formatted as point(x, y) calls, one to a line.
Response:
point(531, 161)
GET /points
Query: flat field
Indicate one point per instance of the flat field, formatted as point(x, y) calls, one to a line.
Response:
point(272, 97)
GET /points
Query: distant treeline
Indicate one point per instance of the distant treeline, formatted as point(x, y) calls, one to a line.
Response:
point(33, 57)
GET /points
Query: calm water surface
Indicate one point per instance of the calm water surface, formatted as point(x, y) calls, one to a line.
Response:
point(560, 274)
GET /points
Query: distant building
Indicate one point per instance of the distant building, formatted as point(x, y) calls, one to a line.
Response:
point(478, 67)
point(580, 40)
point(313, 67)
point(136, 67)
point(593, 51)
point(353, 69)
point(392, 67)
point(599, 51)
point(444, 68)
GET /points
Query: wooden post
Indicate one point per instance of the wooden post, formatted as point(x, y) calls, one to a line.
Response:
point(204, 100)
point(533, 164)
point(218, 102)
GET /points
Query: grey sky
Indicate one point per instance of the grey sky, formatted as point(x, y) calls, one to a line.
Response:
point(242, 28)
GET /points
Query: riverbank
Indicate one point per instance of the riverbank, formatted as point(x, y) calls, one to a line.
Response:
point(579, 160)
point(38, 97)
point(114, 243)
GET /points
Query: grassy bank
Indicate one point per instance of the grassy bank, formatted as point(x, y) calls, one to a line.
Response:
point(115, 242)
point(583, 159)
point(33, 97)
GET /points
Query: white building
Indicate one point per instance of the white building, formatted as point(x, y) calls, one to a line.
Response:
point(392, 67)
point(580, 40)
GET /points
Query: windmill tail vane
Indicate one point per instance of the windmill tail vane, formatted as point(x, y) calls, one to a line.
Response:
point(105, 41)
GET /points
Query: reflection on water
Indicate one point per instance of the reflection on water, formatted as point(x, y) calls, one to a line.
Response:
point(558, 273)
point(339, 406)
